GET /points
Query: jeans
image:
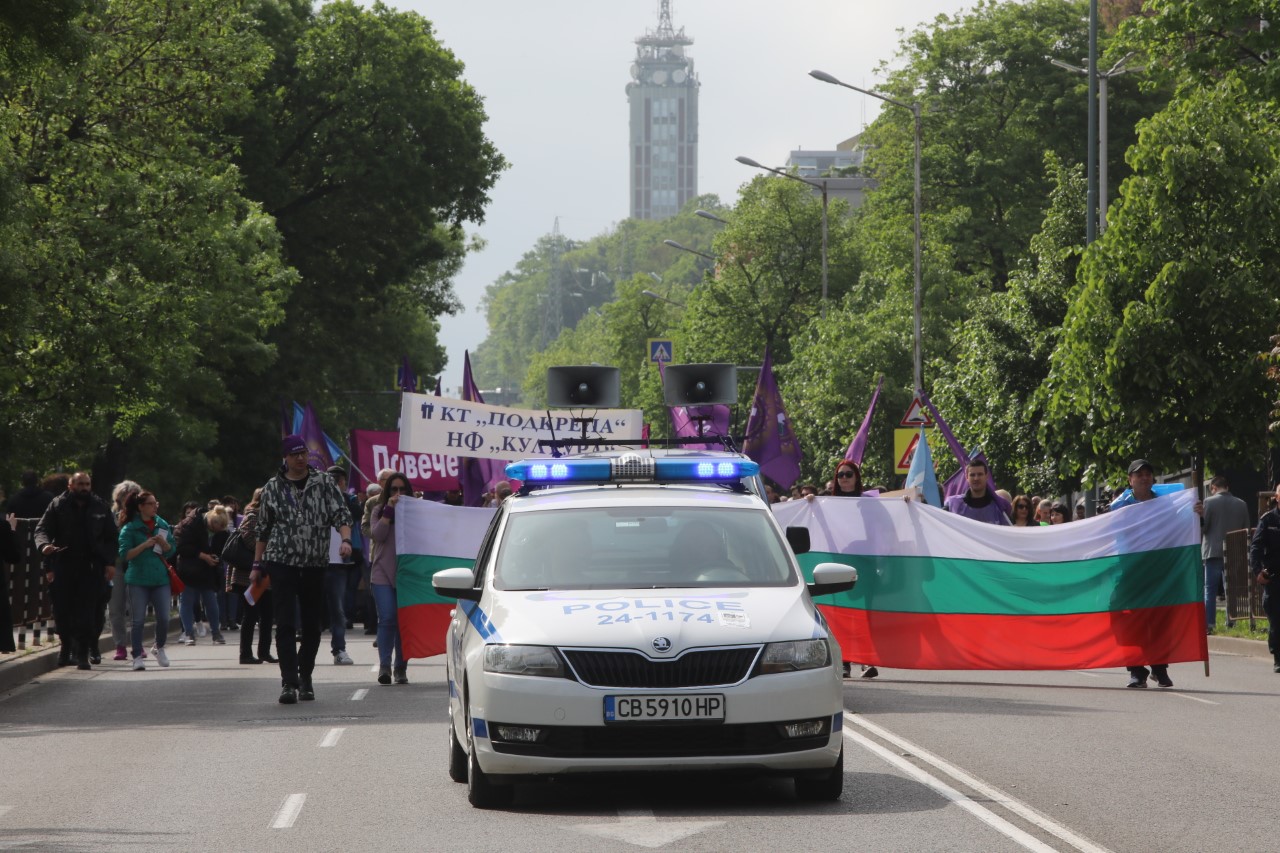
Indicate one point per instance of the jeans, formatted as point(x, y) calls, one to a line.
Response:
point(119, 597)
point(158, 597)
point(388, 626)
point(187, 605)
point(1212, 579)
point(335, 593)
point(298, 594)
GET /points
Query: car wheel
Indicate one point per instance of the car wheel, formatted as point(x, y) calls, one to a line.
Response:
point(823, 788)
point(482, 793)
point(457, 758)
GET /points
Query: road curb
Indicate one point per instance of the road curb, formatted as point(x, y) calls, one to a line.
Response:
point(1239, 646)
point(15, 672)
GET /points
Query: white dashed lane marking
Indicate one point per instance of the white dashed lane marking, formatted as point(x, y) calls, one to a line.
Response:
point(289, 811)
point(360, 694)
point(331, 739)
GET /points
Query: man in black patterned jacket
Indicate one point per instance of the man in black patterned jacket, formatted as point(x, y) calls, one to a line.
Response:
point(299, 506)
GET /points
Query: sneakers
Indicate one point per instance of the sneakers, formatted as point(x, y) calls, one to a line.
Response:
point(139, 665)
point(202, 629)
point(1138, 677)
point(341, 658)
point(846, 670)
point(870, 672)
point(161, 656)
point(121, 653)
point(219, 640)
point(289, 695)
point(1161, 675)
point(402, 677)
point(84, 664)
point(384, 675)
point(186, 639)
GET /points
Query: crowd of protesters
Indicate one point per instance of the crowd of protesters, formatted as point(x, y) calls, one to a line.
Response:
point(125, 560)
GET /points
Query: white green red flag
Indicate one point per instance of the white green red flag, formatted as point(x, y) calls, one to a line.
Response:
point(938, 591)
point(431, 536)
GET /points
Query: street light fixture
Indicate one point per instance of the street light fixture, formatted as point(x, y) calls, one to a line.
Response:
point(822, 185)
point(673, 244)
point(655, 277)
point(708, 215)
point(652, 295)
point(915, 112)
point(1103, 77)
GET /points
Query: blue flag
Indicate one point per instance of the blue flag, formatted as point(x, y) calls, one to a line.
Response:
point(921, 474)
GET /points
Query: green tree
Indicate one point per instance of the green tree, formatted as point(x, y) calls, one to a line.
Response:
point(1159, 350)
point(366, 145)
point(1002, 352)
point(127, 239)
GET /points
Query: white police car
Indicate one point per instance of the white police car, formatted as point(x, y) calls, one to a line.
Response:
point(640, 612)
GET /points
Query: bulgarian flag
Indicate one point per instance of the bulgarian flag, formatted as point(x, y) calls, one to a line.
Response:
point(938, 591)
point(431, 536)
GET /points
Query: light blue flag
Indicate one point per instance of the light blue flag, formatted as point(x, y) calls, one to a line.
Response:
point(921, 473)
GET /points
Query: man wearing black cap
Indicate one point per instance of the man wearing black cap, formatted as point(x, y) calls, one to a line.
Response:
point(1142, 479)
point(298, 507)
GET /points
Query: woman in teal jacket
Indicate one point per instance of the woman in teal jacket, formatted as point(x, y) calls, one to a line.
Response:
point(145, 540)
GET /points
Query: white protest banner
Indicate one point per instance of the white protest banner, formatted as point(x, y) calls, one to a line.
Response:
point(431, 424)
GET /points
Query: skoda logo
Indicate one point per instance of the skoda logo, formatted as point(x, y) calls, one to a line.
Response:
point(662, 645)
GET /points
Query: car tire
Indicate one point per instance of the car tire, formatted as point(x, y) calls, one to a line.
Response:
point(457, 758)
point(482, 793)
point(822, 788)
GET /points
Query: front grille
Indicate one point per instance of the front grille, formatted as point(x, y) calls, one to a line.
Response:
point(708, 668)
point(659, 741)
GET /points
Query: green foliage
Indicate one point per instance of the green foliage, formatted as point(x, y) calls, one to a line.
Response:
point(127, 242)
point(1002, 352)
point(1158, 354)
point(367, 146)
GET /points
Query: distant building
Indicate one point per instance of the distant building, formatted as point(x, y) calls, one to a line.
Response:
point(841, 169)
point(663, 96)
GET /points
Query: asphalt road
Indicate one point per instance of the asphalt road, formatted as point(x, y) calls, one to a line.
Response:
point(200, 756)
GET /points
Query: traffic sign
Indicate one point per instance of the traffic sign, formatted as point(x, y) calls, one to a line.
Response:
point(661, 349)
point(904, 445)
point(917, 415)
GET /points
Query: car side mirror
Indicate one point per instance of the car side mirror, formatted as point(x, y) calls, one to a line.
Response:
point(456, 583)
point(832, 577)
point(798, 539)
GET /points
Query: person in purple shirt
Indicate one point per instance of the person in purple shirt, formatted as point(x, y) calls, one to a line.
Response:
point(978, 502)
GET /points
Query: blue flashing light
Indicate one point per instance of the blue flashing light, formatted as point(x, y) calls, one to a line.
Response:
point(537, 472)
point(541, 472)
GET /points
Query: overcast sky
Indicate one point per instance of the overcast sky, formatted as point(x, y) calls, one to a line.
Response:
point(553, 74)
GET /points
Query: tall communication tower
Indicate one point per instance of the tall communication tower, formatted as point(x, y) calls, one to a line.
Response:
point(663, 95)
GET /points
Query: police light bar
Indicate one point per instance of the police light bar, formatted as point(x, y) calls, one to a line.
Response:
point(630, 468)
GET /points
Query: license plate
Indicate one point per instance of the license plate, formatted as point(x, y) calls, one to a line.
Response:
point(678, 707)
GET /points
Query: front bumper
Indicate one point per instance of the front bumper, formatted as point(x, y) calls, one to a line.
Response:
point(574, 738)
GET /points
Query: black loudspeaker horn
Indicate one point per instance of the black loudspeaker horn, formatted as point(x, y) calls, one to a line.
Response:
point(700, 384)
point(584, 387)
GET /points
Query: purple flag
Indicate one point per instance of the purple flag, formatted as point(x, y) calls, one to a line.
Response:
point(437, 386)
point(477, 475)
point(956, 447)
point(771, 440)
point(858, 446)
point(317, 446)
point(697, 421)
point(406, 379)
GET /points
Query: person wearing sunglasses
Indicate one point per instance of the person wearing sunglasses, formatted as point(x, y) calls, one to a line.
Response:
point(382, 577)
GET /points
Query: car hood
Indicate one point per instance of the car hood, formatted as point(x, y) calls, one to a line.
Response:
point(642, 619)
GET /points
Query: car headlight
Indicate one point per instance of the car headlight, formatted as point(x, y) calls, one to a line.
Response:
point(795, 655)
point(523, 660)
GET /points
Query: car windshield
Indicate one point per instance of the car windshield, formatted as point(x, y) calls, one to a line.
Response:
point(633, 548)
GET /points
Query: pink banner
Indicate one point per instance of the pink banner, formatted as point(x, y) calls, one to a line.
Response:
point(374, 450)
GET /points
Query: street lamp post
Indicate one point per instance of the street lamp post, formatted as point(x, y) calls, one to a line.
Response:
point(708, 215)
point(915, 112)
point(822, 185)
point(1103, 78)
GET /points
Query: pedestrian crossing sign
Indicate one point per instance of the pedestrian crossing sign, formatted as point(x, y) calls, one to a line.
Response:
point(660, 349)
